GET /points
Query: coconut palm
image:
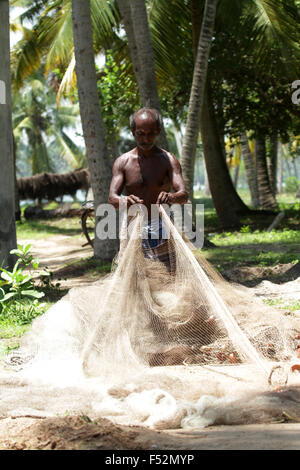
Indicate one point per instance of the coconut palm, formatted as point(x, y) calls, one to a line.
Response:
point(134, 15)
point(52, 34)
point(250, 169)
point(7, 219)
point(43, 126)
point(267, 22)
point(196, 97)
point(91, 118)
point(266, 196)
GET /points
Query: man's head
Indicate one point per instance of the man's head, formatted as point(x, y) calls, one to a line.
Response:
point(145, 127)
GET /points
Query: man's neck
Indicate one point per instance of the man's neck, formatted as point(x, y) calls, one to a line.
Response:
point(146, 153)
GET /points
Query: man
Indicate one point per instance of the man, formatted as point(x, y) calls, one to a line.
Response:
point(147, 173)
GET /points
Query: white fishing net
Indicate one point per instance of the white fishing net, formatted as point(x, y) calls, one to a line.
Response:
point(162, 341)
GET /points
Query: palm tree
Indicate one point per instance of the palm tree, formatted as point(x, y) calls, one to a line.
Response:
point(228, 204)
point(197, 94)
point(135, 19)
point(269, 21)
point(250, 169)
point(38, 121)
point(52, 35)
point(91, 118)
point(266, 197)
point(7, 220)
point(272, 163)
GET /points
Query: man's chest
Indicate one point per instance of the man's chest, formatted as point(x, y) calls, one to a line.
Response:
point(146, 174)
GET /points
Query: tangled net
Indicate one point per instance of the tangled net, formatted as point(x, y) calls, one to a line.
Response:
point(165, 341)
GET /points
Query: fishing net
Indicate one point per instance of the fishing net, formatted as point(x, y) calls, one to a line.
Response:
point(163, 340)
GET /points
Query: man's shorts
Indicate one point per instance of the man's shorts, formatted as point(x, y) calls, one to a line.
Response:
point(155, 240)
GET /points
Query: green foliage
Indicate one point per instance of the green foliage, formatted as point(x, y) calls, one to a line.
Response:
point(35, 229)
point(291, 184)
point(19, 296)
point(21, 312)
point(282, 304)
point(40, 128)
point(118, 97)
point(15, 284)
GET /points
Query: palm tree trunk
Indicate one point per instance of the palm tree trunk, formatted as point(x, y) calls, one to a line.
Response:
point(295, 169)
point(206, 189)
point(236, 175)
point(135, 19)
point(272, 163)
point(280, 175)
point(196, 13)
point(190, 140)
point(250, 170)
point(91, 118)
point(266, 197)
point(227, 202)
point(16, 192)
point(7, 206)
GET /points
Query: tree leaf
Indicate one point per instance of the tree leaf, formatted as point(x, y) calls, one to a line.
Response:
point(6, 276)
point(33, 293)
point(8, 296)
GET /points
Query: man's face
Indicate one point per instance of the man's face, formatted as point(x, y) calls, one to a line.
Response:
point(146, 132)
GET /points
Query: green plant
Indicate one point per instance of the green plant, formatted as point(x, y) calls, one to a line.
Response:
point(291, 184)
point(22, 312)
point(17, 284)
point(245, 229)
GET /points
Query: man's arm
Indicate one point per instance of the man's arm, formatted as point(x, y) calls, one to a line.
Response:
point(117, 185)
point(180, 195)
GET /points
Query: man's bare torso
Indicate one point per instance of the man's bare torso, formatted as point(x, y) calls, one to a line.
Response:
point(147, 174)
point(146, 177)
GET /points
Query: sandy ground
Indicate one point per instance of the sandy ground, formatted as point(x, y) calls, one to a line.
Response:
point(81, 433)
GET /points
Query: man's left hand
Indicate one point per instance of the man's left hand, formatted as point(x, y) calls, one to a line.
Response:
point(164, 198)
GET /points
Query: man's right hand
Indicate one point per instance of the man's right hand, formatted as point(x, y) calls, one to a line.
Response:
point(132, 199)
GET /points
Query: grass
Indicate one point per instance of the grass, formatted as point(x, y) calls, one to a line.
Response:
point(15, 321)
point(251, 244)
point(283, 304)
point(35, 229)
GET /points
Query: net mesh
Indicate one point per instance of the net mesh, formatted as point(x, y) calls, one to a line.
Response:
point(162, 328)
point(168, 306)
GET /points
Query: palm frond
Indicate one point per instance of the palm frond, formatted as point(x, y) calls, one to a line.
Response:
point(69, 80)
point(67, 151)
point(26, 57)
point(56, 33)
point(170, 23)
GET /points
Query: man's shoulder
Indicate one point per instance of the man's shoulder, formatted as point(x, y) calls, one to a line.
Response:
point(124, 158)
point(170, 157)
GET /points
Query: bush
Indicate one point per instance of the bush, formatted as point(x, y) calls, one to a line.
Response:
point(16, 284)
point(291, 184)
point(19, 298)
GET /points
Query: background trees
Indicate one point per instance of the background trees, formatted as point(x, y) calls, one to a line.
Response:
point(91, 118)
point(145, 54)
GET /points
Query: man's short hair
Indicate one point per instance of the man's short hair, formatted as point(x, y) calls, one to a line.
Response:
point(151, 111)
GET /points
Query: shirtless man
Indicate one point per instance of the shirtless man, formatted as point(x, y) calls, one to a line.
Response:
point(147, 173)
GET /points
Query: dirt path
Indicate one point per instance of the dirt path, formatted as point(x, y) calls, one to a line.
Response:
point(58, 251)
point(79, 432)
point(75, 433)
